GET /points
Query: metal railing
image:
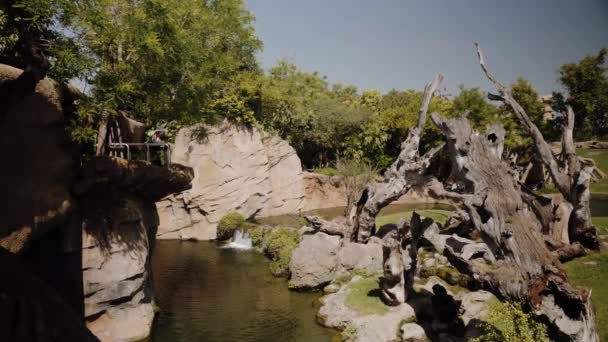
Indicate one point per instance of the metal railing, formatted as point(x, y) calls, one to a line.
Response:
point(127, 147)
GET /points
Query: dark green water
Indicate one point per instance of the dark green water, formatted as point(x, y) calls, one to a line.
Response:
point(206, 293)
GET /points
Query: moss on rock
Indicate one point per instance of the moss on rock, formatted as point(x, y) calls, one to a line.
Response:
point(228, 224)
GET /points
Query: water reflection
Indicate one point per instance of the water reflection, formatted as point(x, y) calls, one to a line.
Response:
point(211, 294)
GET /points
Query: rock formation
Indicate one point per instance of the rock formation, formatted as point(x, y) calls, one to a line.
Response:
point(239, 169)
point(38, 224)
point(54, 194)
point(119, 229)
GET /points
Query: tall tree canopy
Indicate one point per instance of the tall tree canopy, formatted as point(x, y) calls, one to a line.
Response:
point(587, 85)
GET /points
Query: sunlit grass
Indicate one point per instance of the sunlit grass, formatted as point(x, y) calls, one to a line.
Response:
point(364, 297)
point(600, 156)
point(437, 215)
point(582, 272)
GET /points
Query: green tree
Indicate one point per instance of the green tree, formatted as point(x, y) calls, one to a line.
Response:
point(160, 60)
point(33, 34)
point(587, 85)
point(481, 112)
point(528, 98)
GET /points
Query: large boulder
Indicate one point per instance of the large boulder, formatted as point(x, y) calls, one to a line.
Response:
point(360, 256)
point(314, 262)
point(235, 169)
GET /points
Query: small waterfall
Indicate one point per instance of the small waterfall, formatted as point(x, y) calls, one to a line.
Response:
point(241, 240)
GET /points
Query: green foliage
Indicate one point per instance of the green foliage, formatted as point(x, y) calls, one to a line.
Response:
point(600, 157)
point(228, 224)
point(587, 85)
point(591, 271)
point(256, 232)
point(480, 111)
point(364, 297)
point(37, 24)
point(170, 59)
point(327, 171)
point(325, 125)
point(355, 176)
point(279, 245)
point(507, 322)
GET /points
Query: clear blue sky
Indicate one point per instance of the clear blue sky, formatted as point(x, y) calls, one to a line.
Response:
point(402, 44)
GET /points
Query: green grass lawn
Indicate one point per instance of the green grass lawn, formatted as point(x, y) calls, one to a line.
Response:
point(600, 156)
point(437, 215)
point(584, 274)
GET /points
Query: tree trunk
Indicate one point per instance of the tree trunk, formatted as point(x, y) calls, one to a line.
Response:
point(571, 179)
point(407, 171)
point(499, 208)
point(400, 258)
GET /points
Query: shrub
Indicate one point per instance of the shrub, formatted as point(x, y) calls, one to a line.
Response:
point(228, 225)
point(256, 232)
point(327, 171)
point(507, 322)
point(280, 244)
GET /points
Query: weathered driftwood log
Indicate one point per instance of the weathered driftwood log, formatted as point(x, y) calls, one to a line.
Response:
point(504, 213)
point(572, 178)
point(400, 259)
point(337, 226)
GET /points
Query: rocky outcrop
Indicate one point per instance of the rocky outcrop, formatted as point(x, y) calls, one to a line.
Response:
point(41, 291)
point(314, 262)
point(235, 169)
point(120, 222)
point(320, 257)
point(38, 179)
point(336, 313)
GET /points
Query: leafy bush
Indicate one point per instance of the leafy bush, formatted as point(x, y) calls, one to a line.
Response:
point(280, 244)
point(228, 225)
point(355, 176)
point(507, 322)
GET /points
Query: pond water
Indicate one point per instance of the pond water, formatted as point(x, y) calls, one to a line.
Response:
point(599, 204)
point(207, 293)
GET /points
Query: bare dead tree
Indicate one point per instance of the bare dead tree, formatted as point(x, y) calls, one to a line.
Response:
point(571, 178)
point(407, 171)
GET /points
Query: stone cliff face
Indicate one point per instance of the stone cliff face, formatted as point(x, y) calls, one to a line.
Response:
point(67, 221)
point(120, 221)
point(234, 169)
